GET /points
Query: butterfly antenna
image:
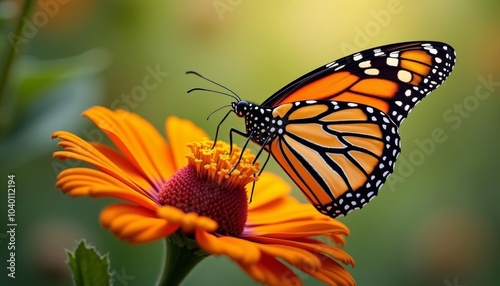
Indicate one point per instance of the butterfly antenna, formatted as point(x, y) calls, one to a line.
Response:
point(222, 107)
point(216, 83)
point(214, 91)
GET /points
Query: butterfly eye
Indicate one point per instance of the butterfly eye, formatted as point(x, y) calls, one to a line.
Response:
point(241, 107)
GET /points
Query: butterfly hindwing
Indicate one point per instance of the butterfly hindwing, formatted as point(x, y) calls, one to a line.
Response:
point(391, 78)
point(338, 153)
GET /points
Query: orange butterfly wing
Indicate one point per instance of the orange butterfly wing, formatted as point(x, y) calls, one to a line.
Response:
point(339, 154)
point(392, 78)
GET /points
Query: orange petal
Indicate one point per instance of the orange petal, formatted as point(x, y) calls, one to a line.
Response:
point(330, 272)
point(294, 229)
point(133, 174)
point(135, 224)
point(281, 210)
point(293, 255)
point(268, 188)
point(179, 133)
point(90, 182)
point(308, 244)
point(237, 249)
point(338, 239)
point(272, 272)
point(77, 148)
point(137, 139)
point(188, 222)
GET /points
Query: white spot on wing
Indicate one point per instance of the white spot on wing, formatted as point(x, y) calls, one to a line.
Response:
point(432, 51)
point(392, 62)
point(332, 64)
point(365, 64)
point(404, 76)
point(372, 71)
point(339, 67)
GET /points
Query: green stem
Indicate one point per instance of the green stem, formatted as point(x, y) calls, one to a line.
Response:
point(182, 255)
point(12, 51)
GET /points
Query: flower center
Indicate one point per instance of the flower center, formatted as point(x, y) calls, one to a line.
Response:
point(205, 186)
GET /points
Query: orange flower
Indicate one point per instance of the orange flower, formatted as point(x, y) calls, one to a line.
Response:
point(198, 201)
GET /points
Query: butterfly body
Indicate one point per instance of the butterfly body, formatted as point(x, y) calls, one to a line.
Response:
point(259, 121)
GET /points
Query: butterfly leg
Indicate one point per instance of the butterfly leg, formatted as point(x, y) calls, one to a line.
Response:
point(260, 172)
point(262, 148)
point(217, 130)
point(249, 137)
point(246, 135)
point(265, 163)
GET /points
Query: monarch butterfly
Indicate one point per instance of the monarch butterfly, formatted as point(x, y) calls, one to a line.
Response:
point(335, 130)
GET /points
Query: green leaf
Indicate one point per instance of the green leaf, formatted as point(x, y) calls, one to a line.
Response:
point(88, 266)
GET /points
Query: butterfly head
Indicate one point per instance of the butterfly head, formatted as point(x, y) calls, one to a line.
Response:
point(241, 108)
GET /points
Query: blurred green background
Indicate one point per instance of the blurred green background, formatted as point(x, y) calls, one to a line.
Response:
point(436, 221)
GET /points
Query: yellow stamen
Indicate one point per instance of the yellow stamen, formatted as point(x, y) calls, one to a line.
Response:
point(214, 164)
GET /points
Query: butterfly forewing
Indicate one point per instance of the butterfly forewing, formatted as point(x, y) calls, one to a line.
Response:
point(392, 78)
point(338, 153)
